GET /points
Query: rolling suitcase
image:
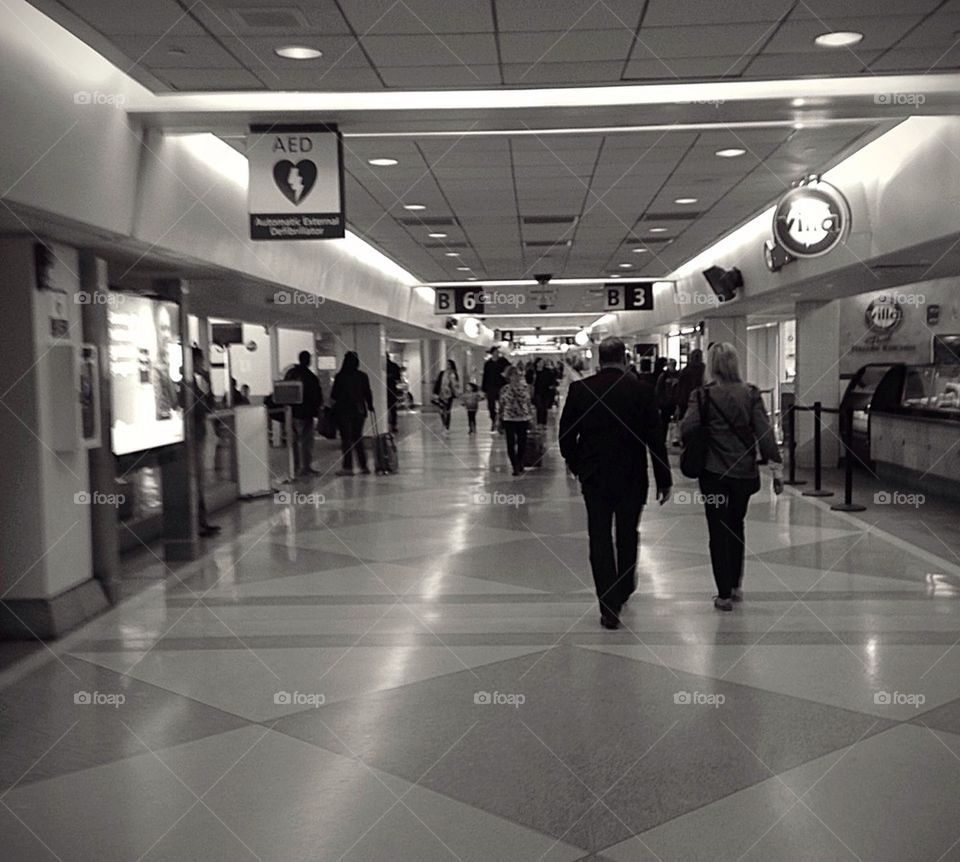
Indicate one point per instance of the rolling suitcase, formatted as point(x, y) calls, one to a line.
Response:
point(535, 449)
point(384, 450)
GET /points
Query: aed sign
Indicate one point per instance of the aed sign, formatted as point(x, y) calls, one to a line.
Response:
point(458, 300)
point(628, 296)
point(811, 220)
point(296, 188)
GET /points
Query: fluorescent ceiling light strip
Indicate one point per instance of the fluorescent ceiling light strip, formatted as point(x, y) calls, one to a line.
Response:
point(612, 130)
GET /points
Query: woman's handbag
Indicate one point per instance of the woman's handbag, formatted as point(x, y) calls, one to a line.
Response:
point(693, 458)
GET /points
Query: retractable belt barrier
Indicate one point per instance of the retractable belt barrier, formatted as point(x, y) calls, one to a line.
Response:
point(846, 430)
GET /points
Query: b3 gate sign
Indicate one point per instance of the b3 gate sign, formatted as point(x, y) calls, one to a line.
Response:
point(628, 296)
point(296, 182)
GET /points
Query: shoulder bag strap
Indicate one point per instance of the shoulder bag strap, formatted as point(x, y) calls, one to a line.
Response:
point(748, 445)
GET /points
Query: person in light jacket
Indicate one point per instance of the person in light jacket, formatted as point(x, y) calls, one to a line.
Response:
point(738, 426)
point(515, 411)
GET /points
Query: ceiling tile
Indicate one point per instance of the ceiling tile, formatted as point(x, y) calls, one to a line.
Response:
point(715, 40)
point(440, 77)
point(342, 78)
point(418, 16)
point(471, 49)
point(210, 79)
point(563, 73)
point(770, 65)
point(534, 15)
point(668, 13)
point(176, 52)
point(121, 17)
point(668, 68)
point(916, 60)
point(565, 46)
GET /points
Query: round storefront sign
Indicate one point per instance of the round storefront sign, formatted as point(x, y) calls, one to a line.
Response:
point(883, 316)
point(810, 220)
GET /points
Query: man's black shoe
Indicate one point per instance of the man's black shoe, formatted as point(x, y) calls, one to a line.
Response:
point(609, 622)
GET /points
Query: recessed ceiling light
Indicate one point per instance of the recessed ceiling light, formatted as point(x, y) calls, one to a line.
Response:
point(437, 235)
point(640, 250)
point(177, 52)
point(625, 265)
point(838, 39)
point(731, 152)
point(615, 275)
point(685, 201)
point(463, 269)
point(297, 52)
point(472, 278)
point(414, 207)
point(798, 103)
point(658, 230)
point(452, 253)
point(382, 163)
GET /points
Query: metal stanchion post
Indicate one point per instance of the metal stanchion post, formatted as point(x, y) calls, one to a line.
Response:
point(791, 422)
point(288, 425)
point(847, 505)
point(817, 459)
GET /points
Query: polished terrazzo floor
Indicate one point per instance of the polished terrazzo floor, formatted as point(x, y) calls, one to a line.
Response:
point(411, 668)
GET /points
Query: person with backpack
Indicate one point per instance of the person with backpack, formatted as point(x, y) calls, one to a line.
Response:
point(305, 415)
point(667, 393)
point(352, 400)
point(723, 428)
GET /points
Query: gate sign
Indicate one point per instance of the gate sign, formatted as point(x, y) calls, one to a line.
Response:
point(296, 182)
point(811, 219)
point(458, 300)
point(628, 296)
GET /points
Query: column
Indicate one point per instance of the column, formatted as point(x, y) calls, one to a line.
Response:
point(103, 466)
point(732, 330)
point(178, 474)
point(818, 377)
point(433, 357)
point(370, 343)
point(46, 576)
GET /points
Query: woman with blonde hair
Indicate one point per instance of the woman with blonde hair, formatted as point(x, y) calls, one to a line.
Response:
point(516, 411)
point(736, 426)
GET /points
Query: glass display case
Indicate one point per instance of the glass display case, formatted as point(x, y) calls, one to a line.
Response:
point(932, 389)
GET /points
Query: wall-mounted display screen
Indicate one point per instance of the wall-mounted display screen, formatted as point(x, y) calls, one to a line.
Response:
point(145, 370)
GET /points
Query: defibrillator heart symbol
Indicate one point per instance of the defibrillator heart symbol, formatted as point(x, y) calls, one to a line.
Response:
point(295, 180)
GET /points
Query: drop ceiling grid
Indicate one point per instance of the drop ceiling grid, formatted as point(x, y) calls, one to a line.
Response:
point(759, 38)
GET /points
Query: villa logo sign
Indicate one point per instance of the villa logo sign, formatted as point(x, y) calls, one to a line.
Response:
point(811, 219)
point(884, 316)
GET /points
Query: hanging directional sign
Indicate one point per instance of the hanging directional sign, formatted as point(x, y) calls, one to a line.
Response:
point(628, 296)
point(458, 300)
point(296, 188)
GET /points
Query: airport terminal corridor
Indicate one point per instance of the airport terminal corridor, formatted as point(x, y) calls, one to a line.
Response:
point(410, 667)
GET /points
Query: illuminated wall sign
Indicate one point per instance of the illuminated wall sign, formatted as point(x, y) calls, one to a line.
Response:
point(811, 219)
point(628, 296)
point(296, 182)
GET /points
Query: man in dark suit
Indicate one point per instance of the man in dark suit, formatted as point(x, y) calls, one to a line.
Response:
point(608, 424)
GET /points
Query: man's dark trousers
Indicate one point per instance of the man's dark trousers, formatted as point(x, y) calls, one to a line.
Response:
point(614, 574)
